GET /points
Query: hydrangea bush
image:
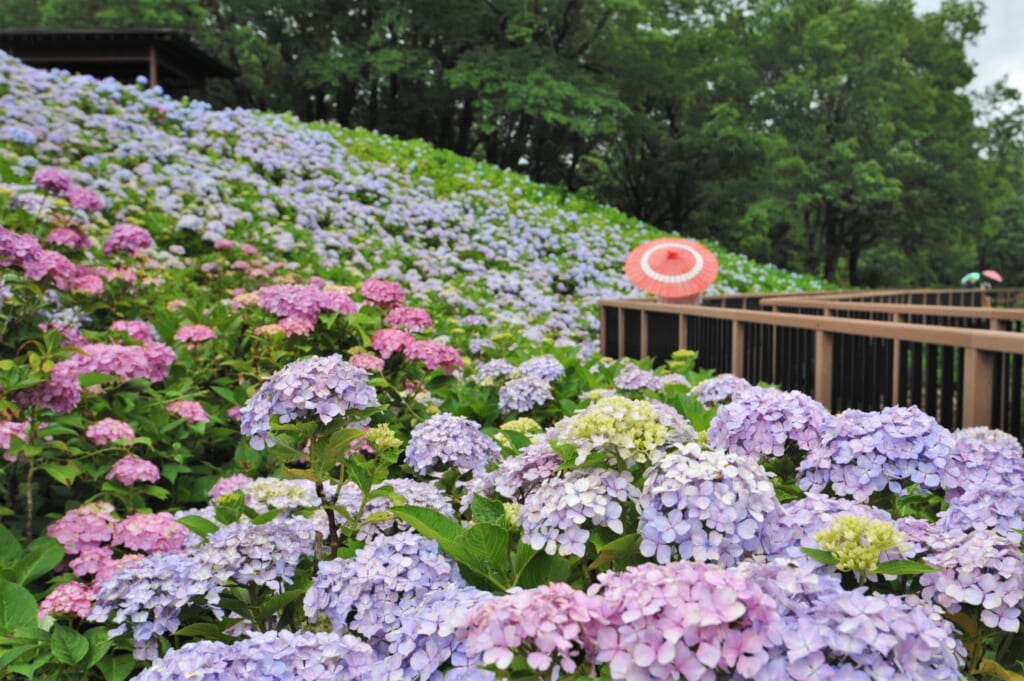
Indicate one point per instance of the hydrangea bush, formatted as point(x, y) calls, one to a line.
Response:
point(271, 406)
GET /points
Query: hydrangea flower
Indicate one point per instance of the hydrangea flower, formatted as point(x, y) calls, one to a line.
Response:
point(762, 421)
point(545, 625)
point(858, 543)
point(997, 505)
point(368, 592)
point(82, 198)
point(189, 410)
point(70, 598)
point(554, 513)
point(706, 505)
point(131, 469)
point(229, 484)
point(326, 387)
point(682, 620)
point(413, 492)
point(15, 429)
point(523, 394)
point(90, 524)
point(367, 361)
point(720, 388)
point(67, 237)
point(108, 430)
point(263, 494)
point(487, 373)
point(618, 426)
point(126, 237)
point(632, 377)
point(194, 333)
point(267, 656)
point(138, 329)
point(382, 293)
point(799, 520)
point(545, 367)
point(983, 457)
point(267, 554)
point(408, 318)
point(866, 452)
point(434, 355)
point(450, 441)
point(390, 341)
point(149, 532)
point(51, 180)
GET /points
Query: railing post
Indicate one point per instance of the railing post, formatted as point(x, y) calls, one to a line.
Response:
point(823, 368)
point(684, 340)
point(979, 376)
point(604, 329)
point(897, 356)
point(736, 360)
point(643, 334)
point(620, 319)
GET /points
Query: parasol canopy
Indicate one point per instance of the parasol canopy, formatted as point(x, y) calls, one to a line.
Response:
point(672, 268)
point(970, 278)
point(993, 275)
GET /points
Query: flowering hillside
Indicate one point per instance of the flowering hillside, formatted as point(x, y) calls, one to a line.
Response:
point(281, 401)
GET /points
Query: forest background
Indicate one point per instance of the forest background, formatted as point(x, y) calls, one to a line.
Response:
point(835, 137)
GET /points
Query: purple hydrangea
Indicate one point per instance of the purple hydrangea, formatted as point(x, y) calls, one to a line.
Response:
point(327, 387)
point(382, 293)
point(632, 377)
point(706, 505)
point(487, 373)
point(229, 484)
point(554, 515)
point(682, 620)
point(126, 237)
point(268, 656)
point(983, 457)
point(108, 430)
point(545, 625)
point(445, 440)
point(131, 469)
point(148, 532)
point(88, 525)
point(368, 593)
point(720, 388)
point(866, 452)
point(998, 506)
point(762, 421)
point(267, 554)
point(523, 394)
point(304, 301)
point(544, 367)
point(51, 180)
point(413, 492)
point(800, 519)
point(70, 598)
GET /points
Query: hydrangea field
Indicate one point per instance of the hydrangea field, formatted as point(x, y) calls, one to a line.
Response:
point(289, 401)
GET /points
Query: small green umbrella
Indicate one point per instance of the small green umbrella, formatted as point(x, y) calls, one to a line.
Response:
point(970, 278)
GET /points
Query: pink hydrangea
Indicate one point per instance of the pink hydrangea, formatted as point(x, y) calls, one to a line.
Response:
point(382, 293)
point(91, 560)
point(70, 598)
point(67, 237)
point(367, 361)
point(234, 413)
point(229, 484)
point(109, 430)
point(126, 237)
point(135, 328)
point(220, 244)
point(192, 334)
point(86, 526)
point(192, 412)
point(175, 305)
point(51, 180)
point(108, 570)
point(409, 318)
point(131, 469)
point(148, 532)
point(82, 198)
point(390, 341)
point(434, 355)
point(9, 429)
point(249, 249)
point(296, 325)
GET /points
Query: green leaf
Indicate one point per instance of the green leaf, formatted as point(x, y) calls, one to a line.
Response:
point(116, 667)
point(820, 555)
point(67, 645)
point(17, 607)
point(41, 556)
point(65, 474)
point(204, 630)
point(95, 378)
point(99, 643)
point(487, 510)
point(489, 544)
point(614, 550)
point(904, 567)
point(277, 602)
point(543, 569)
point(12, 655)
point(199, 525)
point(428, 522)
point(10, 546)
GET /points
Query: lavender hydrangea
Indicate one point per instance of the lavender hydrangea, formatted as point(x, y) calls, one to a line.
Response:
point(866, 452)
point(800, 519)
point(706, 505)
point(268, 656)
point(763, 421)
point(487, 373)
point(266, 555)
point(147, 596)
point(981, 570)
point(998, 506)
point(682, 620)
point(983, 457)
point(368, 593)
point(523, 394)
point(445, 440)
point(413, 492)
point(554, 514)
point(720, 388)
point(326, 387)
point(545, 367)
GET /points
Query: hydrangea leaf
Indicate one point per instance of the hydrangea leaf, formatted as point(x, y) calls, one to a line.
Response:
point(67, 645)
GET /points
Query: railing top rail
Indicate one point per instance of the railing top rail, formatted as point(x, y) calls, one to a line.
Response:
point(979, 339)
point(1005, 313)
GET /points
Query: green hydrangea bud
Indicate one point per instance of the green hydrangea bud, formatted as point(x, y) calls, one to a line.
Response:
point(630, 429)
point(382, 437)
point(857, 542)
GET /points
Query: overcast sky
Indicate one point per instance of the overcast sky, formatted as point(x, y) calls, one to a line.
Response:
point(1000, 49)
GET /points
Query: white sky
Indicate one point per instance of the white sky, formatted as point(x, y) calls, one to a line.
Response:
point(999, 51)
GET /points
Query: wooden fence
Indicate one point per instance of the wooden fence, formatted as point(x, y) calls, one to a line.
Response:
point(957, 354)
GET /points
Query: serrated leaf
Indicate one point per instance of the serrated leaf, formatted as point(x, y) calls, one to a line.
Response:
point(10, 546)
point(428, 522)
point(543, 569)
point(11, 655)
point(17, 607)
point(820, 555)
point(116, 667)
point(67, 645)
point(904, 567)
point(487, 510)
point(65, 474)
point(41, 556)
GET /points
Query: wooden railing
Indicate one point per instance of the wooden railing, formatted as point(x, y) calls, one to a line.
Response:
point(960, 361)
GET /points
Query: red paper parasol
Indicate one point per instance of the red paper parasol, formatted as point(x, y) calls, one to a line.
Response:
point(993, 275)
point(672, 268)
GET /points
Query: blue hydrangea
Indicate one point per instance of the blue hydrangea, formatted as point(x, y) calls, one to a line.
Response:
point(866, 452)
point(706, 505)
point(268, 656)
point(325, 387)
point(983, 457)
point(414, 492)
point(445, 440)
point(265, 555)
point(720, 388)
point(545, 367)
